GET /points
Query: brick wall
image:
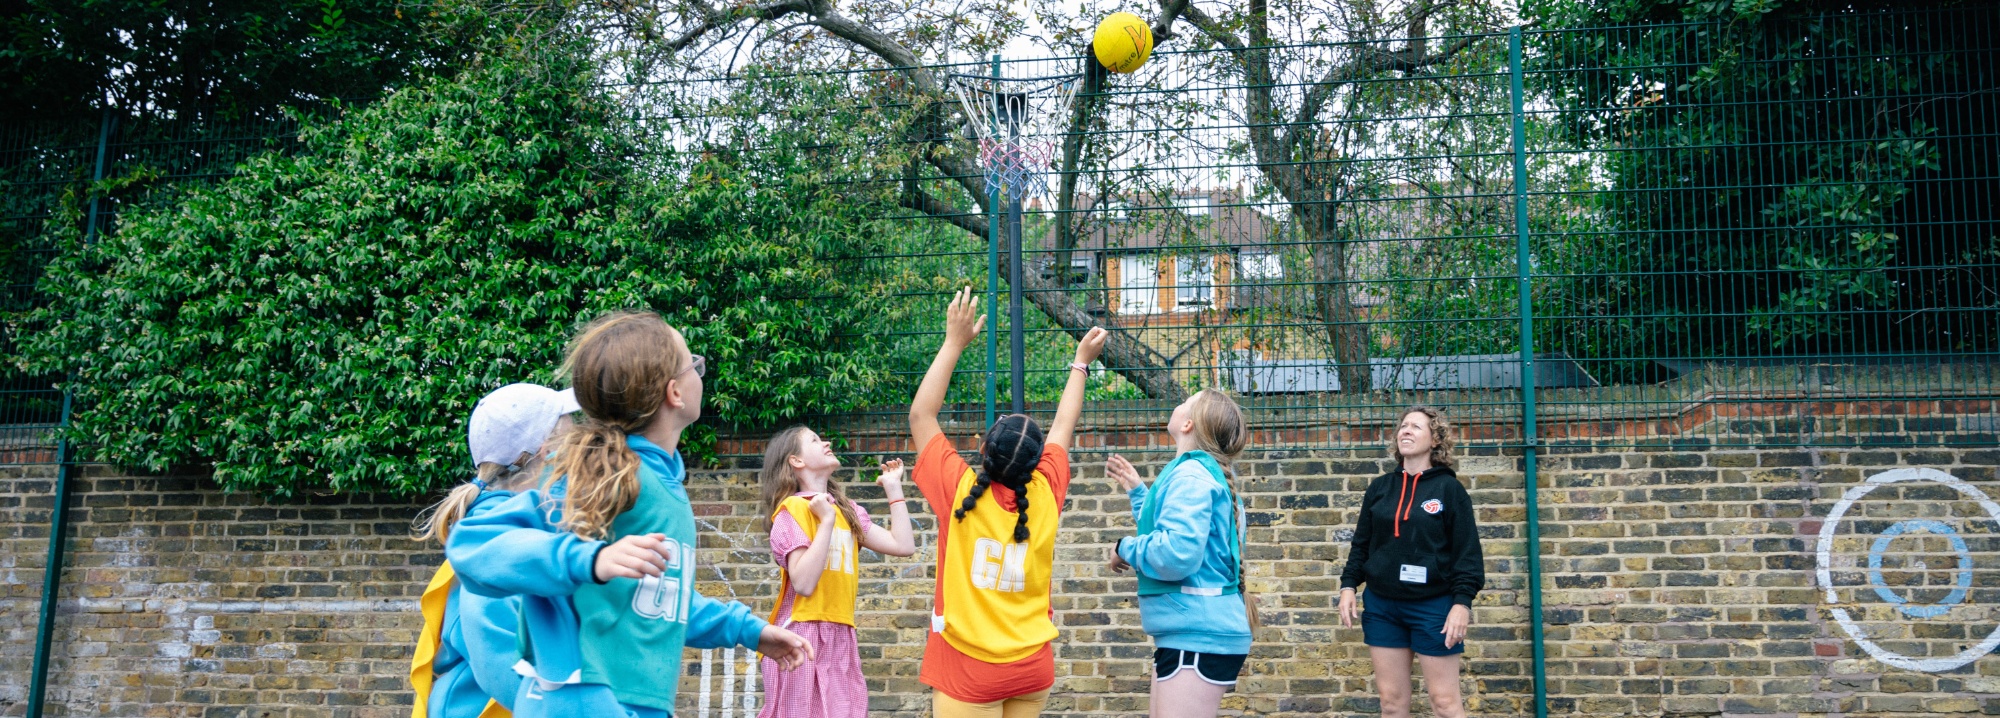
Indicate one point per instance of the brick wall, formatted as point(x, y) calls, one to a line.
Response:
point(1680, 579)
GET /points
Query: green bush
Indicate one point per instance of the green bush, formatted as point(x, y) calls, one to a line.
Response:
point(326, 319)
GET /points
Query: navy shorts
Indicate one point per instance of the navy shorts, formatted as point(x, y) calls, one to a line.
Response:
point(1416, 625)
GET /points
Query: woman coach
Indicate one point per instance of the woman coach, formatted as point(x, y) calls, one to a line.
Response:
point(1416, 548)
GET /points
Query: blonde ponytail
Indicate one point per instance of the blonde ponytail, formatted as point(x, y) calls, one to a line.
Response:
point(435, 523)
point(619, 366)
point(1220, 430)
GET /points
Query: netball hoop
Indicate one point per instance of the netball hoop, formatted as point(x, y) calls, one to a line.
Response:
point(1013, 118)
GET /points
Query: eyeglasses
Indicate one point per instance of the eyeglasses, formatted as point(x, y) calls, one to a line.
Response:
point(698, 365)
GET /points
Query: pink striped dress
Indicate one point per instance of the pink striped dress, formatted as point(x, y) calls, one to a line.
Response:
point(831, 685)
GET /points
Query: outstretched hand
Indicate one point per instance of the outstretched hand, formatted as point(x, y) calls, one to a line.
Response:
point(635, 556)
point(962, 320)
point(1091, 345)
point(891, 479)
point(1122, 472)
point(785, 647)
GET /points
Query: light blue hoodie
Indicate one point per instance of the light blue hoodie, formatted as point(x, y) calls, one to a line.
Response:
point(518, 548)
point(477, 648)
point(1190, 542)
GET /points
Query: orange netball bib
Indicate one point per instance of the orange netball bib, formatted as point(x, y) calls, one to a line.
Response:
point(996, 591)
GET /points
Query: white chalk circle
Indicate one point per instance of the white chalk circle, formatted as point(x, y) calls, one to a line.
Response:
point(1964, 576)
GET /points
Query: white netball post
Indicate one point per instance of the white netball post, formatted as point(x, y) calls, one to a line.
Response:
point(729, 682)
point(1011, 118)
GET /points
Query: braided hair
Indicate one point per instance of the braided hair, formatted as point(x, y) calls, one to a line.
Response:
point(1013, 448)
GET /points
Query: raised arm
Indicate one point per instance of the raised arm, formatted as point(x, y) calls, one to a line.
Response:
point(1071, 407)
point(901, 538)
point(962, 322)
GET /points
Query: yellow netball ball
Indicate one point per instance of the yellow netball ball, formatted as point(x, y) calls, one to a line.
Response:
point(1122, 42)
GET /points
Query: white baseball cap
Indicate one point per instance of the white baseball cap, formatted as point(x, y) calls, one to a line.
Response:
point(515, 419)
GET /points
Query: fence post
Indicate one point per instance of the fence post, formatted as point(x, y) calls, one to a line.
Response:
point(992, 281)
point(38, 681)
point(1524, 274)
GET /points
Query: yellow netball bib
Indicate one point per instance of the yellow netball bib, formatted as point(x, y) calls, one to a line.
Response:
point(996, 591)
point(833, 599)
point(432, 604)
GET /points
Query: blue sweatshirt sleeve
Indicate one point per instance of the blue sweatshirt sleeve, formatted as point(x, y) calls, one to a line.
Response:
point(490, 626)
point(721, 624)
point(1179, 540)
point(1137, 495)
point(513, 549)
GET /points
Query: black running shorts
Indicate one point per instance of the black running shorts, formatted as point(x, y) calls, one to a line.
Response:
point(1217, 668)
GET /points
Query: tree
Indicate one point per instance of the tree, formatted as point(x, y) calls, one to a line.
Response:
point(898, 39)
point(326, 318)
point(1283, 126)
point(1290, 147)
point(65, 60)
point(1801, 177)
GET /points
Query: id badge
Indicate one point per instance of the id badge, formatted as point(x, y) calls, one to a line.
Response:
point(1415, 574)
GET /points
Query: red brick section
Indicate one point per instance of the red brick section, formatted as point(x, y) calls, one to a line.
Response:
point(1679, 579)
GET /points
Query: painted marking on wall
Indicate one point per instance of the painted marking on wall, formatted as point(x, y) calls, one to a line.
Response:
point(707, 670)
point(1962, 578)
point(710, 704)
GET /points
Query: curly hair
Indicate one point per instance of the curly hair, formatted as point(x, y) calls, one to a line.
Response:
point(1441, 436)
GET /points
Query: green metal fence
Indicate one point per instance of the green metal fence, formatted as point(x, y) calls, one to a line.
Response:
point(65, 184)
point(1779, 234)
point(1773, 234)
point(1707, 231)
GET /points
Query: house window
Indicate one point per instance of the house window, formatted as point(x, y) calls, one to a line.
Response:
point(1194, 282)
point(1193, 205)
point(1118, 211)
point(1138, 285)
point(1260, 267)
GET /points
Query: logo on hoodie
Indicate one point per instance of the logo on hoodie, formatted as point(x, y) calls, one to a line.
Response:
point(1433, 506)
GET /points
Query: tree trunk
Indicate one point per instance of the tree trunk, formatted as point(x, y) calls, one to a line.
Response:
point(1131, 358)
point(1287, 161)
point(1333, 299)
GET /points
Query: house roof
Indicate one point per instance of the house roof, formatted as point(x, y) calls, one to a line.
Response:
point(1151, 222)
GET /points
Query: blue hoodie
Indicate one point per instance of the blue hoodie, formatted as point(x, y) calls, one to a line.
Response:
point(1190, 542)
point(476, 648)
point(518, 548)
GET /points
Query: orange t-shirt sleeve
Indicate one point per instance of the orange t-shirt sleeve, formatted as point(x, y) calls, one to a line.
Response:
point(938, 470)
point(1055, 466)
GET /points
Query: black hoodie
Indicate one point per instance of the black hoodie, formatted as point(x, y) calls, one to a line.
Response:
point(1424, 522)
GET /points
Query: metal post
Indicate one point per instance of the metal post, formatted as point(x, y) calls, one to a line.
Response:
point(1524, 274)
point(993, 278)
point(1015, 326)
point(38, 681)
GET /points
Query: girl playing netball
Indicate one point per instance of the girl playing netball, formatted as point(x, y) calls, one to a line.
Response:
point(815, 536)
point(464, 663)
point(988, 653)
point(604, 555)
point(1189, 556)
